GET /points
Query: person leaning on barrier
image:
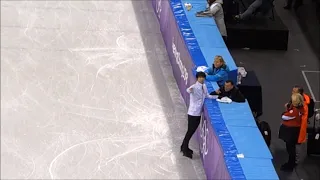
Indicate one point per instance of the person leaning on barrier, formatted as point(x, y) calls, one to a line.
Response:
point(290, 129)
point(216, 9)
point(261, 6)
point(198, 92)
point(230, 91)
point(218, 72)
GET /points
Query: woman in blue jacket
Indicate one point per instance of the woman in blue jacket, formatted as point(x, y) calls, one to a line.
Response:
point(219, 71)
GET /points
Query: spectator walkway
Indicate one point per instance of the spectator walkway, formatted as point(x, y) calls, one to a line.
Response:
point(278, 71)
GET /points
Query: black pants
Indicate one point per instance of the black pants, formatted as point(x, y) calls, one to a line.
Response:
point(297, 3)
point(193, 123)
point(291, 150)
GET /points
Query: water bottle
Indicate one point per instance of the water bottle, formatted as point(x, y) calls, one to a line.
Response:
point(239, 77)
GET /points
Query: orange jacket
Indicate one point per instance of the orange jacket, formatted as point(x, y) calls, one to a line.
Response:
point(304, 120)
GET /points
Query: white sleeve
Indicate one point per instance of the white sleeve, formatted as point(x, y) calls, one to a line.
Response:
point(188, 89)
point(287, 118)
point(207, 93)
point(214, 8)
point(288, 115)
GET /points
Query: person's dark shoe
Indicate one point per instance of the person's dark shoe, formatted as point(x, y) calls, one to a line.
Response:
point(287, 167)
point(236, 17)
point(287, 7)
point(187, 154)
point(296, 8)
point(188, 150)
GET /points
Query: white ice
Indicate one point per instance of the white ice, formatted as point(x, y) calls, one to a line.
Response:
point(87, 92)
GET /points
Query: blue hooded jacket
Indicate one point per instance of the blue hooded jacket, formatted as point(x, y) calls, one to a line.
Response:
point(219, 75)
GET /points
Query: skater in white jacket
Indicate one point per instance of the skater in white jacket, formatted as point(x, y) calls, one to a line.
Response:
point(215, 8)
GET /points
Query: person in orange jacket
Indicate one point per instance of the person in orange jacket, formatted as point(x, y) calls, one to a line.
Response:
point(290, 128)
point(304, 120)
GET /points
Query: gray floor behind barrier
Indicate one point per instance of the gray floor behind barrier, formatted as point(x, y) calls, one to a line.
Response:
point(278, 72)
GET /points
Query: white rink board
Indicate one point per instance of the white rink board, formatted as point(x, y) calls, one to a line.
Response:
point(85, 96)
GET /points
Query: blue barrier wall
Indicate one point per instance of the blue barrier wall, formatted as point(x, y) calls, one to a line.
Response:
point(230, 143)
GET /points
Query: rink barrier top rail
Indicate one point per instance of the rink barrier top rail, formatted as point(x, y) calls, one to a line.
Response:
point(231, 127)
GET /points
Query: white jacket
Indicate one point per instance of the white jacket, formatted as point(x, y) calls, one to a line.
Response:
point(197, 96)
point(218, 14)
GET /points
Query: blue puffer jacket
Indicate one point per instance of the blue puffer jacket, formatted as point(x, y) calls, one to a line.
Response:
point(219, 75)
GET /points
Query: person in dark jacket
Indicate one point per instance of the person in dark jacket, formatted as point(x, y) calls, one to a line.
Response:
point(290, 129)
point(230, 91)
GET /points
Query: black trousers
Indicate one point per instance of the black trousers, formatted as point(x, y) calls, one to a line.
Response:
point(297, 3)
point(291, 150)
point(193, 123)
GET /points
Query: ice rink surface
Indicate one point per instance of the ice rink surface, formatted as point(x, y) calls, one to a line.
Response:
point(87, 92)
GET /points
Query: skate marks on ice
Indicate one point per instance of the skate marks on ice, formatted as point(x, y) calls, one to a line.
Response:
point(77, 96)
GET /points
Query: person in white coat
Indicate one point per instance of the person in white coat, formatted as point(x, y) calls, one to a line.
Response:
point(216, 9)
point(198, 93)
